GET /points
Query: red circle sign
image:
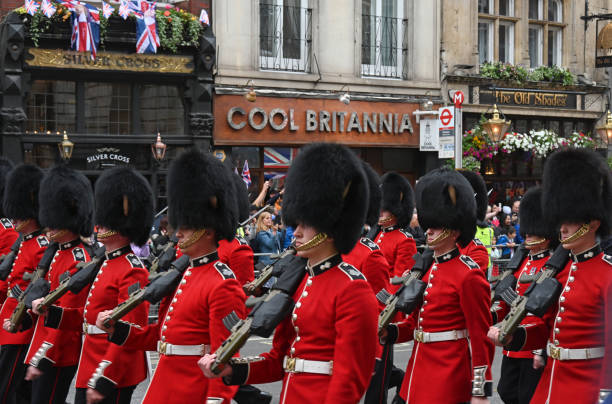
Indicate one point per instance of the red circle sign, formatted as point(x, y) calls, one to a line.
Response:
point(458, 98)
point(446, 116)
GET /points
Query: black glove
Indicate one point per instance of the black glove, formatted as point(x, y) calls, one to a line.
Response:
point(508, 283)
point(410, 296)
point(36, 290)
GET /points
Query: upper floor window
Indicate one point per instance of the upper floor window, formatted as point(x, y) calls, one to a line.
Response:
point(285, 35)
point(382, 38)
point(496, 24)
point(545, 32)
point(51, 107)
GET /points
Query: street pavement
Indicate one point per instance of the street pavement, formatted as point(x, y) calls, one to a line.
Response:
point(258, 345)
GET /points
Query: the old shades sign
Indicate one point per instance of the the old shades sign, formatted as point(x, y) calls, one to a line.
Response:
point(520, 97)
point(300, 121)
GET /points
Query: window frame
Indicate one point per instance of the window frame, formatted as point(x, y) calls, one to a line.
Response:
point(510, 25)
point(545, 26)
point(558, 53)
point(491, 39)
point(496, 20)
point(540, 49)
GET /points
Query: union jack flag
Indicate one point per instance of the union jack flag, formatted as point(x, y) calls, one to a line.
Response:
point(85, 28)
point(107, 10)
point(204, 17)
point(31, 6)
point(139, 7)
point(47, 8)
point(146, 27)
point(278, 157)
point(124, 9)
point(246, 174)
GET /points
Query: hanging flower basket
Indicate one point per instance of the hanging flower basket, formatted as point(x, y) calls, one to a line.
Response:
point(540, 143)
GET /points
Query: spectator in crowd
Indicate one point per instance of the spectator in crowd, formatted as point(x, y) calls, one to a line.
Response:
point(268, 239)
point(506, 240)
point(504, 221)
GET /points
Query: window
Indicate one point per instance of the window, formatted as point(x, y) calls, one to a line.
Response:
point(535, 45)
point(496, 31)
point(161, 109)
point(51, 107)
point(554, 46)
point(555, 10)
point(382, 37)
point(284, 35)
point(108, 108)
point(535, 9)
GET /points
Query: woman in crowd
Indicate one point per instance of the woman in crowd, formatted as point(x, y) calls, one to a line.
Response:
point(268, 239)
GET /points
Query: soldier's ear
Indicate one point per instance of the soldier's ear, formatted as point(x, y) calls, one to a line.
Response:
point(594, 225)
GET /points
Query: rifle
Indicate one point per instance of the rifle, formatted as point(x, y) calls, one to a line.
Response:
point(38, 287)
point(268, 312)
point(162, 286)
point(538, 298)
point(7, 261)
point(409, 295)
point(75, 283)
point(165, 258)
point(269, 270)
point(506, 281)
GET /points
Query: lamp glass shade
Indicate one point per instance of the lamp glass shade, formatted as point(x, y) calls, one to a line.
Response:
point(65, 148)
point(496, 127)
point(158, 149)
point(605, 131)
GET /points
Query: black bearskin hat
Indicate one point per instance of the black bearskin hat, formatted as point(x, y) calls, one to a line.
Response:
point(531, 218)
point(327, 189)
point(21, 192)
point(242, 197)
point(375, 194)
point(124, 203)
point(6, 166)
point(66, 201)
point(577, 188)
point(201, 194)
point(445, 200)
point(480, 189)
point(397, 197)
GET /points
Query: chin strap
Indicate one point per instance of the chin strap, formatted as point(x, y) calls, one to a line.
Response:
point(534, 243)
point(21, 225)
point(584, 229)
point(106, 234)
point(445, 233)
point(313, 242)
point(385, 222)
point(195, 236)
point(57, 235)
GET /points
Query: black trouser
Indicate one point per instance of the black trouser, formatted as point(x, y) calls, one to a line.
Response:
point(119, 396)
point(379, 384)
point(13, 388)
point(518, 380)
point(53, 385)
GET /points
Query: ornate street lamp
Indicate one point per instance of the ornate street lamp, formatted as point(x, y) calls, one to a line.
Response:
point(158, 148)
point(496, 126)
point(605, 131)
point(65, 148)
point(250, 96)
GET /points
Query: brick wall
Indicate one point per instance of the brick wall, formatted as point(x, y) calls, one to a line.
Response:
point(8, 5)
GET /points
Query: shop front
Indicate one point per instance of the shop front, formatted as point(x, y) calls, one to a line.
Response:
point(266, 134)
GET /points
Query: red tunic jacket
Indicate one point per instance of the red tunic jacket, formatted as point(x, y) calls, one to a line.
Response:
point(8, 235)
point(59, 348)
point(334, 319)
point(104, 365)
point(478, 252)
point(582, 319)
point(208, 293)
point(457, 298)
point(399, 249)
point(30, 252)
point(367, 257)
point(238, 255)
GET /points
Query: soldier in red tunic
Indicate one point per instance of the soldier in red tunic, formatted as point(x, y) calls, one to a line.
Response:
point(577, 198)
point(394, 240)
point(202, 208)
point(519, 376)
point(108, 373)
point(66, 209)
point(21, 206)
point(324, 352)
point(475, 248)
point(451, 358)
point(8, 235)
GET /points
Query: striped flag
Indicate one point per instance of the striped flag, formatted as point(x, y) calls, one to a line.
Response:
point(107, 10)
point(246, 174)
point(204, 17)
point(85, 28)
point(124, 9)
point(31, 6)
point(47, 8)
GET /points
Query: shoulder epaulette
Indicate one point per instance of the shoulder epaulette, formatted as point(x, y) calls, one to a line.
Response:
point(242, 241)
point(79, 254)
point(477, 241)
point(607, 258)
point(406, 233)
point(134, 261)
point(351, 271)
point(470, 263)
point(42, 241)
point(6, 223)
point(369, 243)
point(224, 270)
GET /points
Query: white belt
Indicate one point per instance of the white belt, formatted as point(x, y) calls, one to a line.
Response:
point(297, 365)
point(570, 354)
point(92, 329)
point(425, 337)
point(165, 348)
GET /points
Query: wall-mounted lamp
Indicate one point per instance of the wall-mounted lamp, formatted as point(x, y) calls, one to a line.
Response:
point(345, 97)
point(496, 126)
point(65, 148)
point(158, 149)
point(250, 96)
point(605, 131)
